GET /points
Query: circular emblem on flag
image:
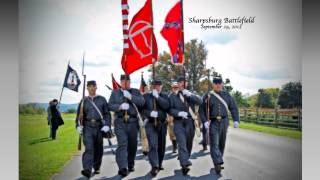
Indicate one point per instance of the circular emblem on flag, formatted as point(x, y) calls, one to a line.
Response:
point(137, 33)
point(72, 80)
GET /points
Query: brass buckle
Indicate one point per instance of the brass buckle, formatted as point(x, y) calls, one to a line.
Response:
point(93, 120)
point(126, 118)
point(218, 118)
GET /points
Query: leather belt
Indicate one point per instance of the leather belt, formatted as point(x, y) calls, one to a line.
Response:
point(122, 116)
point(217, 118)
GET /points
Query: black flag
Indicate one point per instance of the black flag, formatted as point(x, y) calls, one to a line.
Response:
point(72, 80)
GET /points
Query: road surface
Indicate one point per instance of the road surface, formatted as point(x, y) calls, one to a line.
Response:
point(249, 155)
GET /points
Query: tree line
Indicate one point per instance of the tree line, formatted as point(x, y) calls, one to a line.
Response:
point(288, 96)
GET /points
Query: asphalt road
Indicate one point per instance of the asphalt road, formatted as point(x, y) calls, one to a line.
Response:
point(249, 156)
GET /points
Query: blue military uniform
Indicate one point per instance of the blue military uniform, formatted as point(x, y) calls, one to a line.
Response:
point(92, 135)
point(156, 128)
point(126, 130)
point(184, 128)
point(219, 122)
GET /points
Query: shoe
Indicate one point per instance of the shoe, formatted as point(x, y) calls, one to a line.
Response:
point(218, 168)
point(86, 173)
point(185, 170)
point(123, 172)
point(174, 143)
point(154, 171)
point(131, 169)
point(161, 168)
point(96, 171)
point(204, 147)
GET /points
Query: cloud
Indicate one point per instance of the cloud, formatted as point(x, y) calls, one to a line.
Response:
point(220, 38)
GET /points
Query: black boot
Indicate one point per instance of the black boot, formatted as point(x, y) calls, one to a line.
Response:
point(218, 168)
point(185, 170)
point(204, 147)
point(96, 171)
point(131, 168)
point(123, 172)
point(154, 171)
point(174, 144)
point(86, 173)
point(161, 167)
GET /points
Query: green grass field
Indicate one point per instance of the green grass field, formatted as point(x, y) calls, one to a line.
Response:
point(40, 157)
point(271, 130)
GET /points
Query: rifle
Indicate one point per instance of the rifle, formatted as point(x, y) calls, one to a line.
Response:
point(208, 108)
point(81, 114)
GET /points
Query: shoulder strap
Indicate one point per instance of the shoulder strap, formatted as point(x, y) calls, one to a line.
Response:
point(220, 99)
point(97, 109)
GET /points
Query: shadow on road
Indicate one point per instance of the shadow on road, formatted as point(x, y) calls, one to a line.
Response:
point(178, 175)
point(41, 140)
point(200, 153)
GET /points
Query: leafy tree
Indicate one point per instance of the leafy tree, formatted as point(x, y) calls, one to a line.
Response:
point(196, 72)
point(240, 99)
point(264, 99)
point(290, 95)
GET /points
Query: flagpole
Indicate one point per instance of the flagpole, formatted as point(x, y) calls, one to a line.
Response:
point(58, 106)
point(183, 59)
point(151, 40)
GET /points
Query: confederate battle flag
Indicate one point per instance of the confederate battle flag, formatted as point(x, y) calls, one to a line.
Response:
point(142, 48)
point(172, 31)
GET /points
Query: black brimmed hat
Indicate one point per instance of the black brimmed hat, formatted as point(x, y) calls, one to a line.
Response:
point(124, 77)
point(156, 82)
point(91, 83)
point(181, 78)
point(217, 80)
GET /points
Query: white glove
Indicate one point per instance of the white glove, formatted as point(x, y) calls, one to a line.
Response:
point(183, 114)
point(154, 114)
point(155, 93)
point(79, 129)
point(236, 124)
point(186, 92)
point(207, 124)
point(105, 129)
point(127, 94)
point(124, 106)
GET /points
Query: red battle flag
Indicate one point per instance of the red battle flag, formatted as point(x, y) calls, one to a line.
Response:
point(115, 84)
point(142, 43)
point(172, 31)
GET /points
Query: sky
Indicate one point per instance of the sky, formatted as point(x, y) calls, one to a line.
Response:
point(263, 54)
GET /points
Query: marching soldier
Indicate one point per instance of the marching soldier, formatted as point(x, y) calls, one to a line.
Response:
point(96, 119)
point(214, 115)
point(122, 102)
point(174, 90)
point(155, 112)
point(182, 107)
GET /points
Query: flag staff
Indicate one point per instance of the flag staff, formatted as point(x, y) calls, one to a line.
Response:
point(58, 106)
point(153, 63)
point(182, 29)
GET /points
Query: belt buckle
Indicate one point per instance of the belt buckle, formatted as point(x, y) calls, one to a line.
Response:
point(218, 118)
point(93, 120)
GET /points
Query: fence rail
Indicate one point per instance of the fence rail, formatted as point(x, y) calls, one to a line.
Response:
point(280, 118)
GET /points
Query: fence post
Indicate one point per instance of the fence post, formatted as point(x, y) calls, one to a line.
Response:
point(258, 116)
point(299, 119)
point(245, 115)
point(276, 116)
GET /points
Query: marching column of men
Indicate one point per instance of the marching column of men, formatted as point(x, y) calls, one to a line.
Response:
point(155, 106)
